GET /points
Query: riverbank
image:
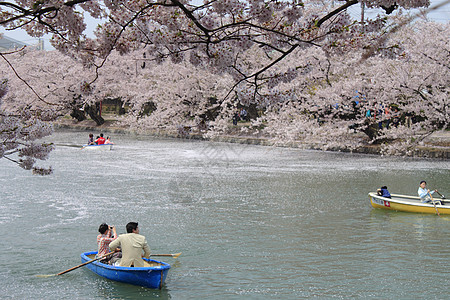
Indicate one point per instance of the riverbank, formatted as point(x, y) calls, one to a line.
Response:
point(435, 146)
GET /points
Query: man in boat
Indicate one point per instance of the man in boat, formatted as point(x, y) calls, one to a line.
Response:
point(100, 140)
point(106, 236)
point(425, 194)
point(134, 246)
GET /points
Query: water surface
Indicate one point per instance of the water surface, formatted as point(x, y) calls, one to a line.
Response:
point(251, 222)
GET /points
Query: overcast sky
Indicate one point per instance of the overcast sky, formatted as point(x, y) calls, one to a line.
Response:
point(440, 15)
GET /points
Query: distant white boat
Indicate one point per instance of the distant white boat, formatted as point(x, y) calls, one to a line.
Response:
point(98, 147)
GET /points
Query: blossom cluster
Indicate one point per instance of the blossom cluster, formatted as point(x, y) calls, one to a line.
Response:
point(17, 136)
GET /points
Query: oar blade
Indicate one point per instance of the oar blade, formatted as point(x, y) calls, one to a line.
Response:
point(45, 276)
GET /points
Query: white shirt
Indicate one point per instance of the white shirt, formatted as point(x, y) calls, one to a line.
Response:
point(423, 192)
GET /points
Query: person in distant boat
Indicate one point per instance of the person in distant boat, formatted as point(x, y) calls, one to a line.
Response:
point(108, 141)
point(424, 193)
point(134, 247)
point(106, 236)
point(100, 140)
point(91, 139)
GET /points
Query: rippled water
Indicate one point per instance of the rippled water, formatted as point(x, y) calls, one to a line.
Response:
point(251, 222)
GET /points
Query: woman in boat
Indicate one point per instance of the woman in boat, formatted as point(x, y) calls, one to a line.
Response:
point(106, 236)
point(424, 193)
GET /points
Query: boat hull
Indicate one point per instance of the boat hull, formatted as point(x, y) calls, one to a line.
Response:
point(151, 277)
point(98, 147)
point(407, 204)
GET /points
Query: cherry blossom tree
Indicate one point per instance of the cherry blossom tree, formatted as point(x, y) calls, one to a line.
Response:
point(37, 88)
point(180, 93)
point(212, 34)
point(223, 37)
point(404, 87)
point(417, 85)
point(19, 131)
point(329, 103)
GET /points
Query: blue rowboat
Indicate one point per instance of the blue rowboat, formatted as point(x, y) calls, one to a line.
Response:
point(152, 275)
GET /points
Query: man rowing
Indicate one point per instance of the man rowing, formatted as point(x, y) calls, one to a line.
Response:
point(425, 194)
point(134, 246)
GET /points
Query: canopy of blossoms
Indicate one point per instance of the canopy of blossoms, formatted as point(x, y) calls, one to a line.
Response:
point(293, 59)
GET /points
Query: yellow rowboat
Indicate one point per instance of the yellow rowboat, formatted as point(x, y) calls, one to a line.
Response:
point(409, 204)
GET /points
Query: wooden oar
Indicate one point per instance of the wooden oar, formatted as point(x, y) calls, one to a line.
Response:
point(442, 196)
point(172, 255)
point(83, 264)
point(68, 145)
point(432, 200)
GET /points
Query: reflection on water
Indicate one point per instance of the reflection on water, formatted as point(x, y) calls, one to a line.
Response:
point(252, 222)
point(422, 224)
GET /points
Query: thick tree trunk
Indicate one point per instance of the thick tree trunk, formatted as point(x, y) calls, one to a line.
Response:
point(94, 113)
point(371, 130)
point(252, 111)
point(78, 114)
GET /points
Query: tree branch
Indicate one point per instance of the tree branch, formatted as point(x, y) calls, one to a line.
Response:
point(23, 80)
point(335, 12)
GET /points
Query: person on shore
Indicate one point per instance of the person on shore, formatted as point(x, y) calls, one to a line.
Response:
point(100, 140)
point(380, 113)
point(387, 113)
point(396, 117)
point(243, 115)
point(236, 117)
point(91, 139)
point(106, 236)
point(424, 193)
point(134, 246)
point(108, 141)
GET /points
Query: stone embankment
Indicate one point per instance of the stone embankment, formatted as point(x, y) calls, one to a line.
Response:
point(435, 146)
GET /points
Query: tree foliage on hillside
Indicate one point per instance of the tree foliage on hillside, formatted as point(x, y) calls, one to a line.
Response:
point(406, 89)
point(299, 61)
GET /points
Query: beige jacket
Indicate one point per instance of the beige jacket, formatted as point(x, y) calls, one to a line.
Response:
point(132, 245)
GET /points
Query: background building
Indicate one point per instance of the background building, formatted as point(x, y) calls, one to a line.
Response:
point(7, 43)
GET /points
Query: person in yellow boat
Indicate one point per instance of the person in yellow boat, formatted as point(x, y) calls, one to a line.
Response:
point(383, 192)
point(424, 193)
point(134, 246)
